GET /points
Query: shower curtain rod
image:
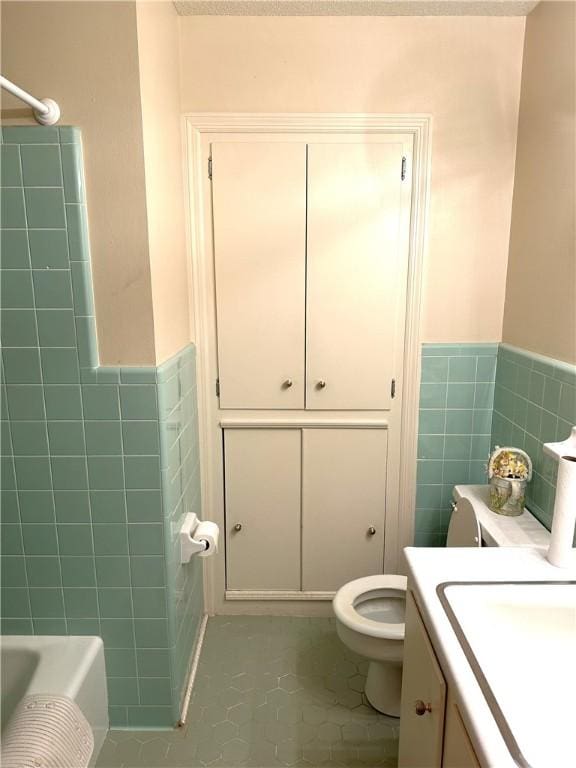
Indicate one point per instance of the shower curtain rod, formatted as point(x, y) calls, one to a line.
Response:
point(46, 111)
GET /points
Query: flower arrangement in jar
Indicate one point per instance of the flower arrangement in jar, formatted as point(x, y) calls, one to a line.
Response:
point(509, 471)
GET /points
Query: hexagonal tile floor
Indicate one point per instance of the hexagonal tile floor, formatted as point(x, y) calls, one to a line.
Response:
point(269, 692)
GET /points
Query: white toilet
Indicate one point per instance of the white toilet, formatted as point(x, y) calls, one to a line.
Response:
point(370, 611)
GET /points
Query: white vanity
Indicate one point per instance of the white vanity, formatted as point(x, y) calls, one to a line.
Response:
point(489, 669)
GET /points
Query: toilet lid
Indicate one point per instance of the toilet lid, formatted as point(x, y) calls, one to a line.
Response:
point(464, 528)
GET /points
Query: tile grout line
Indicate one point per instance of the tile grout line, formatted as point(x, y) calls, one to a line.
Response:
point(129, 554)
point(51, 490)
point(73, 297)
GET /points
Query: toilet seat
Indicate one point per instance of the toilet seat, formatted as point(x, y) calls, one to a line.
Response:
point(360, 591)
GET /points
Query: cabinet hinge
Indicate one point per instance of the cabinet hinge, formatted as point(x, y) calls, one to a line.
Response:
point(217, 387)
point(393, 388)
point(210, 167)
point(403, 171)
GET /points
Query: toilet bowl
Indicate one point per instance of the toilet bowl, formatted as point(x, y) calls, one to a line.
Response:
point(370, 611)
point(370, 621)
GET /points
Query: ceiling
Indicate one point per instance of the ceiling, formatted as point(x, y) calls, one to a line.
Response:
point(354, 7)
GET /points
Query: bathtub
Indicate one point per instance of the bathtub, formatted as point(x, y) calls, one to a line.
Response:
point(65, 666)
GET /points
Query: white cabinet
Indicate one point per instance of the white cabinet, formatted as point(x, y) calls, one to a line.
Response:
point(310, 252)
point(423, 697)
point(354, 273)
point(262, 509)
point(343, 505)
point(259, 212)
point(305, 508)
point(310, 240)
point(432, 733)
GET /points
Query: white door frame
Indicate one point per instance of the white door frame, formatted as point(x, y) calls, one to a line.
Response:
point(201, 292)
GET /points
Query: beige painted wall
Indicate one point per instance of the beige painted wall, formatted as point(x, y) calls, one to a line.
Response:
point(464, 71)
point(85, 56)
point(158, 42)
point(163, 151)
point(540, 309)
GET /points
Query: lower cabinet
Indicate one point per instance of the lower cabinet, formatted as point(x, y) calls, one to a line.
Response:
point(343, 505)
point(262, 497)
point(305, 508)
point(458, 751)
point(432, 734)
point(423, 697)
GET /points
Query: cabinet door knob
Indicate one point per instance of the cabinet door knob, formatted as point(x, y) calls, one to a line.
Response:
point(420, 708)
point(287, 383)
point(371, 531)
point(238, 527)
point(321, 384)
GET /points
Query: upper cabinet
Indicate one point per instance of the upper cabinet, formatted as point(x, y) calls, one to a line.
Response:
point(354, 210)
point(310, 250)
point(259, 209)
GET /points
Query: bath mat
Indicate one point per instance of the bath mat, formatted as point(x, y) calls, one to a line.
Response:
point(47, 731)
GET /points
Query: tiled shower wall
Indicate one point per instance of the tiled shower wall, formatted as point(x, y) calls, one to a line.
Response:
point(97, 463)
point(455, 421)
point(535, 403)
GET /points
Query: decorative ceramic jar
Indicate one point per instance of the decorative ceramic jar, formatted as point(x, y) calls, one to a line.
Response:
point(509, 470)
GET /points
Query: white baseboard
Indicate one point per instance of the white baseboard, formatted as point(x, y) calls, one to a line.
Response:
point(195, 658)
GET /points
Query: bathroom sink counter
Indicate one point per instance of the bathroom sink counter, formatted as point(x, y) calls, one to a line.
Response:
point(428, 568)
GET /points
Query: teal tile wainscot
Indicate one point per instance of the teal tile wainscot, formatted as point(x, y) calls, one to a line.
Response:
point(98, 464)
point(180, 469)
point(455, 424)
point(534, 403)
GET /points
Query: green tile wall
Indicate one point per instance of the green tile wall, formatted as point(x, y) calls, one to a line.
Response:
point(455, 422)
point(97, 463)
point(181, 494)
point(534, 403)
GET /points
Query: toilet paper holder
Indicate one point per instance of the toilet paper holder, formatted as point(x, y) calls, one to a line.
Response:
point(189, 545)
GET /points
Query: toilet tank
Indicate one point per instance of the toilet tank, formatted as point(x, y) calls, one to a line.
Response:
point(499, 530)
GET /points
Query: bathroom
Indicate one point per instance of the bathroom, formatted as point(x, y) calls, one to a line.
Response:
point(145, 379)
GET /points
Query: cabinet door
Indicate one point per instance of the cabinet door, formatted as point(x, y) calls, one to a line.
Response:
point(262, 496)
point(356, 258)
point(458, 749)
point(343, 499)
point(422, 682)
point(259, 210)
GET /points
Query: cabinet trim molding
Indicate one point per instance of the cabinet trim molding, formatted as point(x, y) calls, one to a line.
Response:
point(304, 423)
point(198, 127)
point(237, 594)
point(306, 122)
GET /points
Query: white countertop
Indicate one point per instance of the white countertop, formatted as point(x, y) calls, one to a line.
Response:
point(430, 567)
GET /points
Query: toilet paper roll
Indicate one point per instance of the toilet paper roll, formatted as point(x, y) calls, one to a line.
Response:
point(560, 551)
point(209, 532)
